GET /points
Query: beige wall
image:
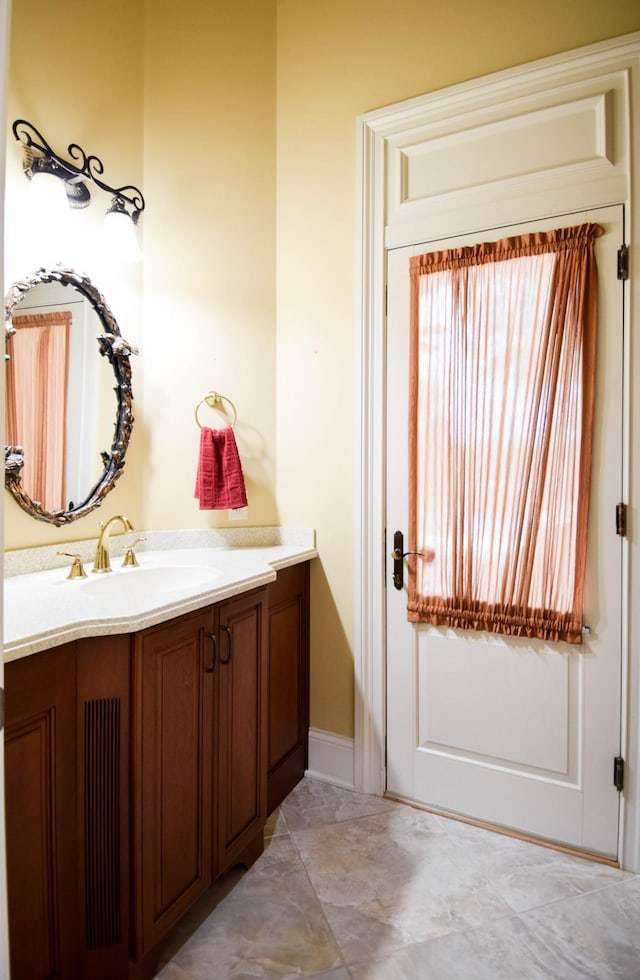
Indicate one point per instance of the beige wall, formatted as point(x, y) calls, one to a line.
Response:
point(196, 102)
point(336, 59)
point(77, 78)
point(180, 100)
point(209, 144)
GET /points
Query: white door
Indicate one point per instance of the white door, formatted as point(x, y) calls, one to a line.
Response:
point(509, 731)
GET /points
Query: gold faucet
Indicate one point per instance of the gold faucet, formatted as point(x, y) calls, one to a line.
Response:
point(101, 562)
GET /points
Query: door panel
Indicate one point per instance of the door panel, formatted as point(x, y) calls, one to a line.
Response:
point(516, 732)
point(241, 705)
point(451, 715)
point(172, 772)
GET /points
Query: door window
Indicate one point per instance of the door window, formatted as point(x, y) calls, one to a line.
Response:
point(502, 378)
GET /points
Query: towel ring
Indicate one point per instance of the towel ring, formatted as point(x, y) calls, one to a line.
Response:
point(212, 398)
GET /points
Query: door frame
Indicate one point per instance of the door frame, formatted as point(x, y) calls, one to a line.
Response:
point(5, 19)
point(391, 212)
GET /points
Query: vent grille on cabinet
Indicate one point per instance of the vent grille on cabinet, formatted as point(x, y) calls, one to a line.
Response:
point(102, 822)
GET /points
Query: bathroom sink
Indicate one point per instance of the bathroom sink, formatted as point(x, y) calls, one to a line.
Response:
point(44, 608)
point(131, 583)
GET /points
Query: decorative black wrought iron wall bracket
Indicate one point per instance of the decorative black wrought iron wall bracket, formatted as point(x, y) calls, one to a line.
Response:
point(82, 166)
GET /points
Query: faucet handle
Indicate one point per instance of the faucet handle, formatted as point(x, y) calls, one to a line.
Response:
point(130, 560)
point(77, 569)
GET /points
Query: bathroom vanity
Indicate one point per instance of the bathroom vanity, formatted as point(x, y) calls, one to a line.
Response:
point(144, 754)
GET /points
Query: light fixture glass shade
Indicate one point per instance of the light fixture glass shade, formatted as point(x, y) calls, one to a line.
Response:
point(47, 216)
point(121, 241)
point(47, 194)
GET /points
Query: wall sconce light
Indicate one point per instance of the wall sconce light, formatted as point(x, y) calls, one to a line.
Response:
point(42, 163)
point(120, 232)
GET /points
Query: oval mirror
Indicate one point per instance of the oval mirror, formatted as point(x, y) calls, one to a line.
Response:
point(65, 441)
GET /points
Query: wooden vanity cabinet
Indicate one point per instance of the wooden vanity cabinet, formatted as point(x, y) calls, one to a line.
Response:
point(140, 767)
point(103, 711)
point(288, 681)
point(171, 772)
point(241, 709)
point(41, 815)
point(198, 773)
point(66, 788)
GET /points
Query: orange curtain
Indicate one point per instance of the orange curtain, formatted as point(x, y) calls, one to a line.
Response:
point(502, 383)
point(36, 403)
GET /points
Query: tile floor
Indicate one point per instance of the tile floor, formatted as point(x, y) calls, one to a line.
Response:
point(354, 887)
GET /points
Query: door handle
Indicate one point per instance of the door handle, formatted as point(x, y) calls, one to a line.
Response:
point(229, 658)
point(214, 659)
point(398, 555)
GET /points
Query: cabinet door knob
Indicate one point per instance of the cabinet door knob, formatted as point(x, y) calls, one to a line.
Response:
point(229, 657)
point(214, 658)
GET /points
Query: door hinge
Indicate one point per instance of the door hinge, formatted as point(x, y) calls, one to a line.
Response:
point(623, 262)
point(1, 708)
point(618, 773)
point(621, 520)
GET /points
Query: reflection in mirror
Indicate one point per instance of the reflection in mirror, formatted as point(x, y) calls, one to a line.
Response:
point(55, 339)
point(65, 440)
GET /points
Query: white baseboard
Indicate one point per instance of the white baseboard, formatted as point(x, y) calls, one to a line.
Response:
point(331, 758)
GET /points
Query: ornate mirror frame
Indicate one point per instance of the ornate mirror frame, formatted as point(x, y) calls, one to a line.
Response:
point(112, 346)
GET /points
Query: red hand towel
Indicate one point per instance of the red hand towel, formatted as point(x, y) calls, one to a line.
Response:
point(219, 480)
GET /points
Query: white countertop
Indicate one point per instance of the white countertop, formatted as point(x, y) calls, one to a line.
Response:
point(179, 571)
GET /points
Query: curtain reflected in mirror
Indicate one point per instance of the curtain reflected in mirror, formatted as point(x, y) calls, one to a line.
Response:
point(65, 436)
point(36, 403)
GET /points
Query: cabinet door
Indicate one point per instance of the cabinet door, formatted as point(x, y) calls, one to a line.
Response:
point(103, 681)
point(173, 677)
point(288, 680)
point(241, 742)
point(40, 787)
